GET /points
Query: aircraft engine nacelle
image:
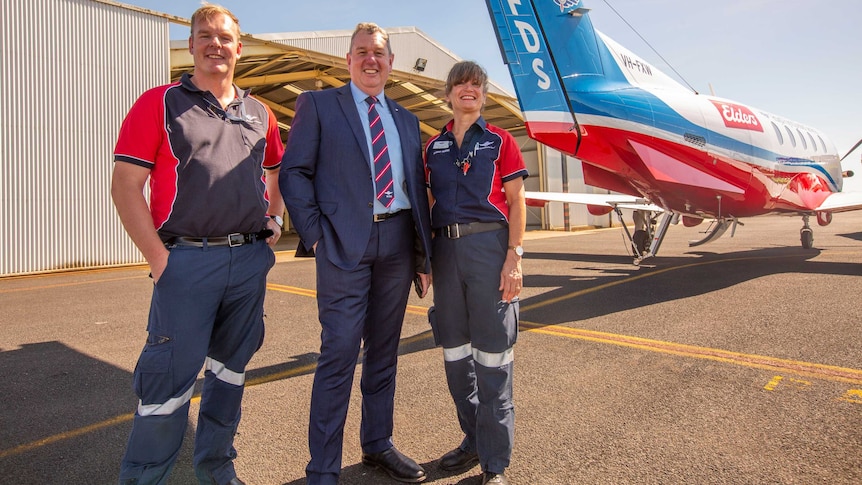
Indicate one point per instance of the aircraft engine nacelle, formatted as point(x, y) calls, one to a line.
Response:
point(824, 218)
point(599, 210)
point(689, 221)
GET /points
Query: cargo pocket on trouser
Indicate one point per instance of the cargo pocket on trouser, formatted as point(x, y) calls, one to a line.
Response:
point(153, 381)
point(432, 320)
point(509, 314)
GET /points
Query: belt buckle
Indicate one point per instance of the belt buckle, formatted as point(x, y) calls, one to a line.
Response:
point(379, 217)
point(235, 239)
point(457, 234)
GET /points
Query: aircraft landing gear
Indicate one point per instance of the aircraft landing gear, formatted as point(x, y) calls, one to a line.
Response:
point(640, 238)
point(648, 234)
point(806, 235)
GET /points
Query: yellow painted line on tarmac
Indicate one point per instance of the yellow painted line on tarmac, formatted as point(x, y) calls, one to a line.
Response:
point(292, 289)
point(807, 369)
point(17, 450)
point(646, 274)
point(64, 436)
point(819, 371)
point(412, 309)
point(66, 285)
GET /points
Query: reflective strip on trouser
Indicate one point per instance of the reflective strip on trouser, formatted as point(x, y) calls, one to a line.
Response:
point(486, 359)
point(224, 374)
point(207, 304)
point(168, 407)
point(483, 401)
point(477, 331)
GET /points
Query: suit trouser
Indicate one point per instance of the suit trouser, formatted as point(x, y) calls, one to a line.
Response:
point(366, 304)
point(207, 309)
point(477, 331)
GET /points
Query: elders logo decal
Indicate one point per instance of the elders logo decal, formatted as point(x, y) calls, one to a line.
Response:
point(736, 116)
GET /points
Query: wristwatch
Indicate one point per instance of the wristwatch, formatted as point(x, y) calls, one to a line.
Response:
point(278, 220)
point(519, 250)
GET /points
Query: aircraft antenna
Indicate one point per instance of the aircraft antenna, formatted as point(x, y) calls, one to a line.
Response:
point(651, 47)
point(852, 149)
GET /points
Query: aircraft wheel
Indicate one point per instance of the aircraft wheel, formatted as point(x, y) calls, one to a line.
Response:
point(807, 237)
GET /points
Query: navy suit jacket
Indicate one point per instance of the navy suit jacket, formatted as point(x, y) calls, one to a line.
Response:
point(326, 178)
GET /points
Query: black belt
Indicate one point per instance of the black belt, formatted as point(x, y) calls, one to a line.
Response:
point(388, 215)
point(232, 240)
point(454, 231)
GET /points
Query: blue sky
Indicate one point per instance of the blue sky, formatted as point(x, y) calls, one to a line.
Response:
point(795, 58)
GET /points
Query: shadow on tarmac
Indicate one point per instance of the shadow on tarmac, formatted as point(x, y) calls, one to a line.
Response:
point(359, 473)
point(53, 394)
point(663, 280)
point(82, 407)
point(66, 416)
point(856, 236)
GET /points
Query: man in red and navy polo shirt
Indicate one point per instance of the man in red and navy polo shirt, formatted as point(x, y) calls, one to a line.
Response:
point(211, 154)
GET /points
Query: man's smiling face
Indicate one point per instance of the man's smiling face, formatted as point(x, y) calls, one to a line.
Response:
point(215, 45)
point(369, 62)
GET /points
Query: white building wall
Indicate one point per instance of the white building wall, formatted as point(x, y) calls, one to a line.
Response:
point(69, 71)
point(408, 45)
point(578, 216)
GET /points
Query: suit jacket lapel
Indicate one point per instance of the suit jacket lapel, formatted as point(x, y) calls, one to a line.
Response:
point(345, 99)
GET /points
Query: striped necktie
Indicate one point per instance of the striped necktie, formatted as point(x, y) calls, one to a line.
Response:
point(382, 165)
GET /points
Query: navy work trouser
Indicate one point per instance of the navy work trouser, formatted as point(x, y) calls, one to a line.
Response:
point(477, 331)
point(365, 304)
point(206, 310)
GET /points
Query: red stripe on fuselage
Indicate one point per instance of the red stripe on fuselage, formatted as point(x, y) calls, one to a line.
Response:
point(686, 177)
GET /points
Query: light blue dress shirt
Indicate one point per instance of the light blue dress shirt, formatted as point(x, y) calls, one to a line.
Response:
point(393, 141)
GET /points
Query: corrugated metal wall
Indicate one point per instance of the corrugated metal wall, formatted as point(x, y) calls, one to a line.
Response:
point(69, 71)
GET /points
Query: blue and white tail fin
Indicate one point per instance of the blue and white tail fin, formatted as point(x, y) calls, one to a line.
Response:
point(540, 44)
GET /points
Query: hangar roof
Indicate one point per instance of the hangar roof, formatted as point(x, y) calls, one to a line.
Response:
point(278, 67)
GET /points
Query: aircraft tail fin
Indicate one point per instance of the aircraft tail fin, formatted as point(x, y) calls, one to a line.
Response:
point(541, 44)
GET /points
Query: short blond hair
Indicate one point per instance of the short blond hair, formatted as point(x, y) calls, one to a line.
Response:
point(370, 28)
point(210, 10)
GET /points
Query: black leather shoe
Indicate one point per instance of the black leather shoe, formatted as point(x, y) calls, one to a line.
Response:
point(494, 479)
point(397, 465)
point(236, 481)
point(458, 460)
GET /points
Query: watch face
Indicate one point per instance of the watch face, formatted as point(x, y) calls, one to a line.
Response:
point(519, 250)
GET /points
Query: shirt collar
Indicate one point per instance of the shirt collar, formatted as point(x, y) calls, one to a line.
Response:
point(359, 96)
point(186, 83)
point(481, 123)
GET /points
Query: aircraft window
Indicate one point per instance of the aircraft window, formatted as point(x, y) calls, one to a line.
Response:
point(802, 138)
point(790, 135)
point(778, 133)
point(822, 143)
point(813, 143)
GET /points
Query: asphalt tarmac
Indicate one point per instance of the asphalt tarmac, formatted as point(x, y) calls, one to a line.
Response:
point(737, 362)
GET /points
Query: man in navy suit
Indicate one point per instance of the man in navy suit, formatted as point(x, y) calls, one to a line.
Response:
point(353, 181)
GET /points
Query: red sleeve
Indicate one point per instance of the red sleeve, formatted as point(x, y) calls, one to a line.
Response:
point(143, 130)
point(511, 159)
point(274, 146)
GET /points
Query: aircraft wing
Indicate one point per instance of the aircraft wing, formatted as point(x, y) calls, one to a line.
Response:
point(604, 200)
point(842, 202)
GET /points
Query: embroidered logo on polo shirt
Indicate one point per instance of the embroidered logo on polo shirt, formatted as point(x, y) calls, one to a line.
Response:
point(441, 146)
point(488, 145)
